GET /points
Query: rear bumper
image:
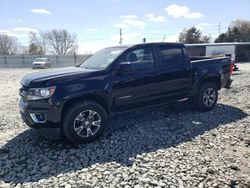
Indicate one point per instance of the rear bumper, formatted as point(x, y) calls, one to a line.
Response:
point(229, 83)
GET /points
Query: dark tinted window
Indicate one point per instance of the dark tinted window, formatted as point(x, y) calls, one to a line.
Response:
point(171, 55)
point(140, 58)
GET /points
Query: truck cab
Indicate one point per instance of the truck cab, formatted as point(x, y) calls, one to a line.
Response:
point(147, 74)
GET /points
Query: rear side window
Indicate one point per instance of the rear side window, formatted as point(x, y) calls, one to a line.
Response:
point(171, 55)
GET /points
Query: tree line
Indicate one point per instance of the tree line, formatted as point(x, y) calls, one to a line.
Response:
point(56, 41)
point(238, 31)
point(62, 42)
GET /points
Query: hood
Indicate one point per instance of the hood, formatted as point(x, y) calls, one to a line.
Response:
point(38, 77)
point(39, 62)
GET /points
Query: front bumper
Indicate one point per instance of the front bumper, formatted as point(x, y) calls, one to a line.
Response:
point(50, 117)
point(38, 65)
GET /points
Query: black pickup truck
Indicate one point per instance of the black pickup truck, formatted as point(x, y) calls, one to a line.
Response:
point(79, 100)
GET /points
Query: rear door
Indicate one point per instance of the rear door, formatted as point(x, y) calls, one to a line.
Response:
point(173, 72)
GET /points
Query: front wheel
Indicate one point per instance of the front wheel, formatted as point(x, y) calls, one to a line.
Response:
point(206, 97)
point(84, 122)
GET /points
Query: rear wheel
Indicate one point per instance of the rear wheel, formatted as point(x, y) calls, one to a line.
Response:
point(206, 97)
point(84, 122)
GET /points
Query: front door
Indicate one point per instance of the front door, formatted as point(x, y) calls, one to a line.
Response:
point(133, 87)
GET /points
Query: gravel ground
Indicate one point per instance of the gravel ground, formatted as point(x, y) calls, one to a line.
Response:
point(158, 147)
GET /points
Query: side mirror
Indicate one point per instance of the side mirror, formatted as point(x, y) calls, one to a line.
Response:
point(124, 67)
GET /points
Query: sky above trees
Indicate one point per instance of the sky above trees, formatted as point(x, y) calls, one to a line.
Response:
point(97, 23)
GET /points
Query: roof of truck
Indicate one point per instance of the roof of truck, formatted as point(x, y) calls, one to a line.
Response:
point(148, 43)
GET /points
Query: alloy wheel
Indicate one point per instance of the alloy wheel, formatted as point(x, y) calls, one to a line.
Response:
point(87, 123)
point(209, 97)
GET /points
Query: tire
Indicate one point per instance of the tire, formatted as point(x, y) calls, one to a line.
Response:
point(84, 122)
point(206, 97)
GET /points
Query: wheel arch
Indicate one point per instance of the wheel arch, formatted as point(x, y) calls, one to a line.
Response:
point(209, 78)
point(215, 79)
point(89, 97)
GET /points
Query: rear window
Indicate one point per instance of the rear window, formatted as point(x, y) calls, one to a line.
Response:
point(171, 55)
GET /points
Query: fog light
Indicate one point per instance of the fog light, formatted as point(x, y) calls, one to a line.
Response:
point(38, 117)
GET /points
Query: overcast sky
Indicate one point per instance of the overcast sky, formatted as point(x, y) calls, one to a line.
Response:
point(97, 23)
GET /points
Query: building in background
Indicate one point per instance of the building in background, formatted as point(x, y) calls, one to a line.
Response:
point(239, 51)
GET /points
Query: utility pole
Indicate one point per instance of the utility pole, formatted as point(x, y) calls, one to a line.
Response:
point(120, 42)
point(219, 27)
point(164, 38)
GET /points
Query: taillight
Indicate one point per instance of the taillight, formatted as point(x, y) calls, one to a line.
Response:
point(231, 68)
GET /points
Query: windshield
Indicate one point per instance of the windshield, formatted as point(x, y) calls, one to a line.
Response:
point(103, 58)
point(40, 60)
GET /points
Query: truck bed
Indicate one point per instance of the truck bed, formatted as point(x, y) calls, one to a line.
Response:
point(198, 61)
point(201, 65)
point(202, 62)
point(197, 58)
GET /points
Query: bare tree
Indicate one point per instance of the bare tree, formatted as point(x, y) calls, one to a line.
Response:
point(8, 45)
point(22, 49)
point(39, 40)
point(61, 41)
point(35, 50)
point(56, 41)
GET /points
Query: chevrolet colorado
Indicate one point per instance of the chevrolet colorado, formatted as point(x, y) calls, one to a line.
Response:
point(77, 101)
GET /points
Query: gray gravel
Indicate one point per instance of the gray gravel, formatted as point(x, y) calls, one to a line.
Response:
point(167, 146)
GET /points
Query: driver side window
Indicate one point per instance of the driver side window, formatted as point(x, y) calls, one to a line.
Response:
point(140, 58)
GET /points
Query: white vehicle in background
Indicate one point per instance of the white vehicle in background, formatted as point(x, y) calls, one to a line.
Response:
point(41, 63)
point(227, 50)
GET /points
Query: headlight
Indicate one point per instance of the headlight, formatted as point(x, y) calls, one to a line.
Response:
point(40, 93)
